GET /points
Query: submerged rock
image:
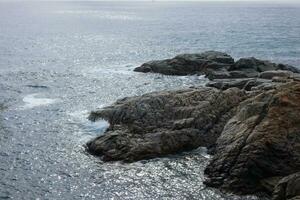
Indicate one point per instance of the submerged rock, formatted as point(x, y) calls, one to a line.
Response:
point(262, 140)
point(162, 123)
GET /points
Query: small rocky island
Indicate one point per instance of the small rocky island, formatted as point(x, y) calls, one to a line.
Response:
point(248, 116)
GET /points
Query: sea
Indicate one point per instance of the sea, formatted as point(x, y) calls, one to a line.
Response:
point(61, 60)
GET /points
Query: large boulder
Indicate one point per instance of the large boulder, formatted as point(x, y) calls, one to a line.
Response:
point(187, 64)
point(261, 141)
point(162, 123)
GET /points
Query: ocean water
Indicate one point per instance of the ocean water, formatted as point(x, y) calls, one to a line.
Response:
point(60, 60)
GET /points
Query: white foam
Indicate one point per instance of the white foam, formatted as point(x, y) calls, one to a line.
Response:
point(98, 126)
point(80, 117)
point(32, 101)
point(203, 152)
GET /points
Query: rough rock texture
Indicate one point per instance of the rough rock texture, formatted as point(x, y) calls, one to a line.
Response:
point(279, 73)
point(262, 140)
point(248, 117)
point(187, 64)
point(251, 68)
point(162, 123)
point(245, 83)
point(213, 64)
point(288, 188)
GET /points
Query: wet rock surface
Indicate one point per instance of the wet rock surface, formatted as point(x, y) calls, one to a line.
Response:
point(214, 65)
point(162, 123)
point(262, 140)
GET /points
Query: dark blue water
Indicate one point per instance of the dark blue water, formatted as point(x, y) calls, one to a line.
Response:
point(58, 61)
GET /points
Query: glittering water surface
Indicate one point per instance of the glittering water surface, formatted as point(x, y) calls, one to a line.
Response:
point(58, 61)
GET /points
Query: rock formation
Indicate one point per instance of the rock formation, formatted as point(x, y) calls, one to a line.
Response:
point(262, 140)
point(162, 123)
point(213, 64)
point(248, 117)
point(188, 64)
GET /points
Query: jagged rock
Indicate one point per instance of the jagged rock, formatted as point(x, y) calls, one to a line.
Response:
point(288, 68)
point(262, 140)
point(187, 64)
point(257, 115)
point(296, 77)
point(269, 184)
point(163, 123)
point(277, 73)
point(213, 64)
point(288, 188)
point(246, 84)
point(253, 65)
point(225, 74)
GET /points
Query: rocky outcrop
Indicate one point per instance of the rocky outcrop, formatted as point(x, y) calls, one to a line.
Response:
point(262, 140)
point(188, 64)
point(162, 123)
point(248, 117)
point(214, 65)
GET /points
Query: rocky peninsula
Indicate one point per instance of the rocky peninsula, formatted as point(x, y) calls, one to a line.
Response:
point(248, 116)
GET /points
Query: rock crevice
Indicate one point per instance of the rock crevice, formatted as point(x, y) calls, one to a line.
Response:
point(262, 140)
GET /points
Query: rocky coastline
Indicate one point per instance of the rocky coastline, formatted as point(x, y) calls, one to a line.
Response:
point(248, 116)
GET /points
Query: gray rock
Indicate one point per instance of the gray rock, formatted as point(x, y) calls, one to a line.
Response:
point(270, 183)
point(187, 64)
point(213, 64)
point(295, 77)
point(162, 123)
point(275, 73)
point(288, 188)
point(246, 83)
point(260, 141)
point(253, 64)
point(288, 68)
